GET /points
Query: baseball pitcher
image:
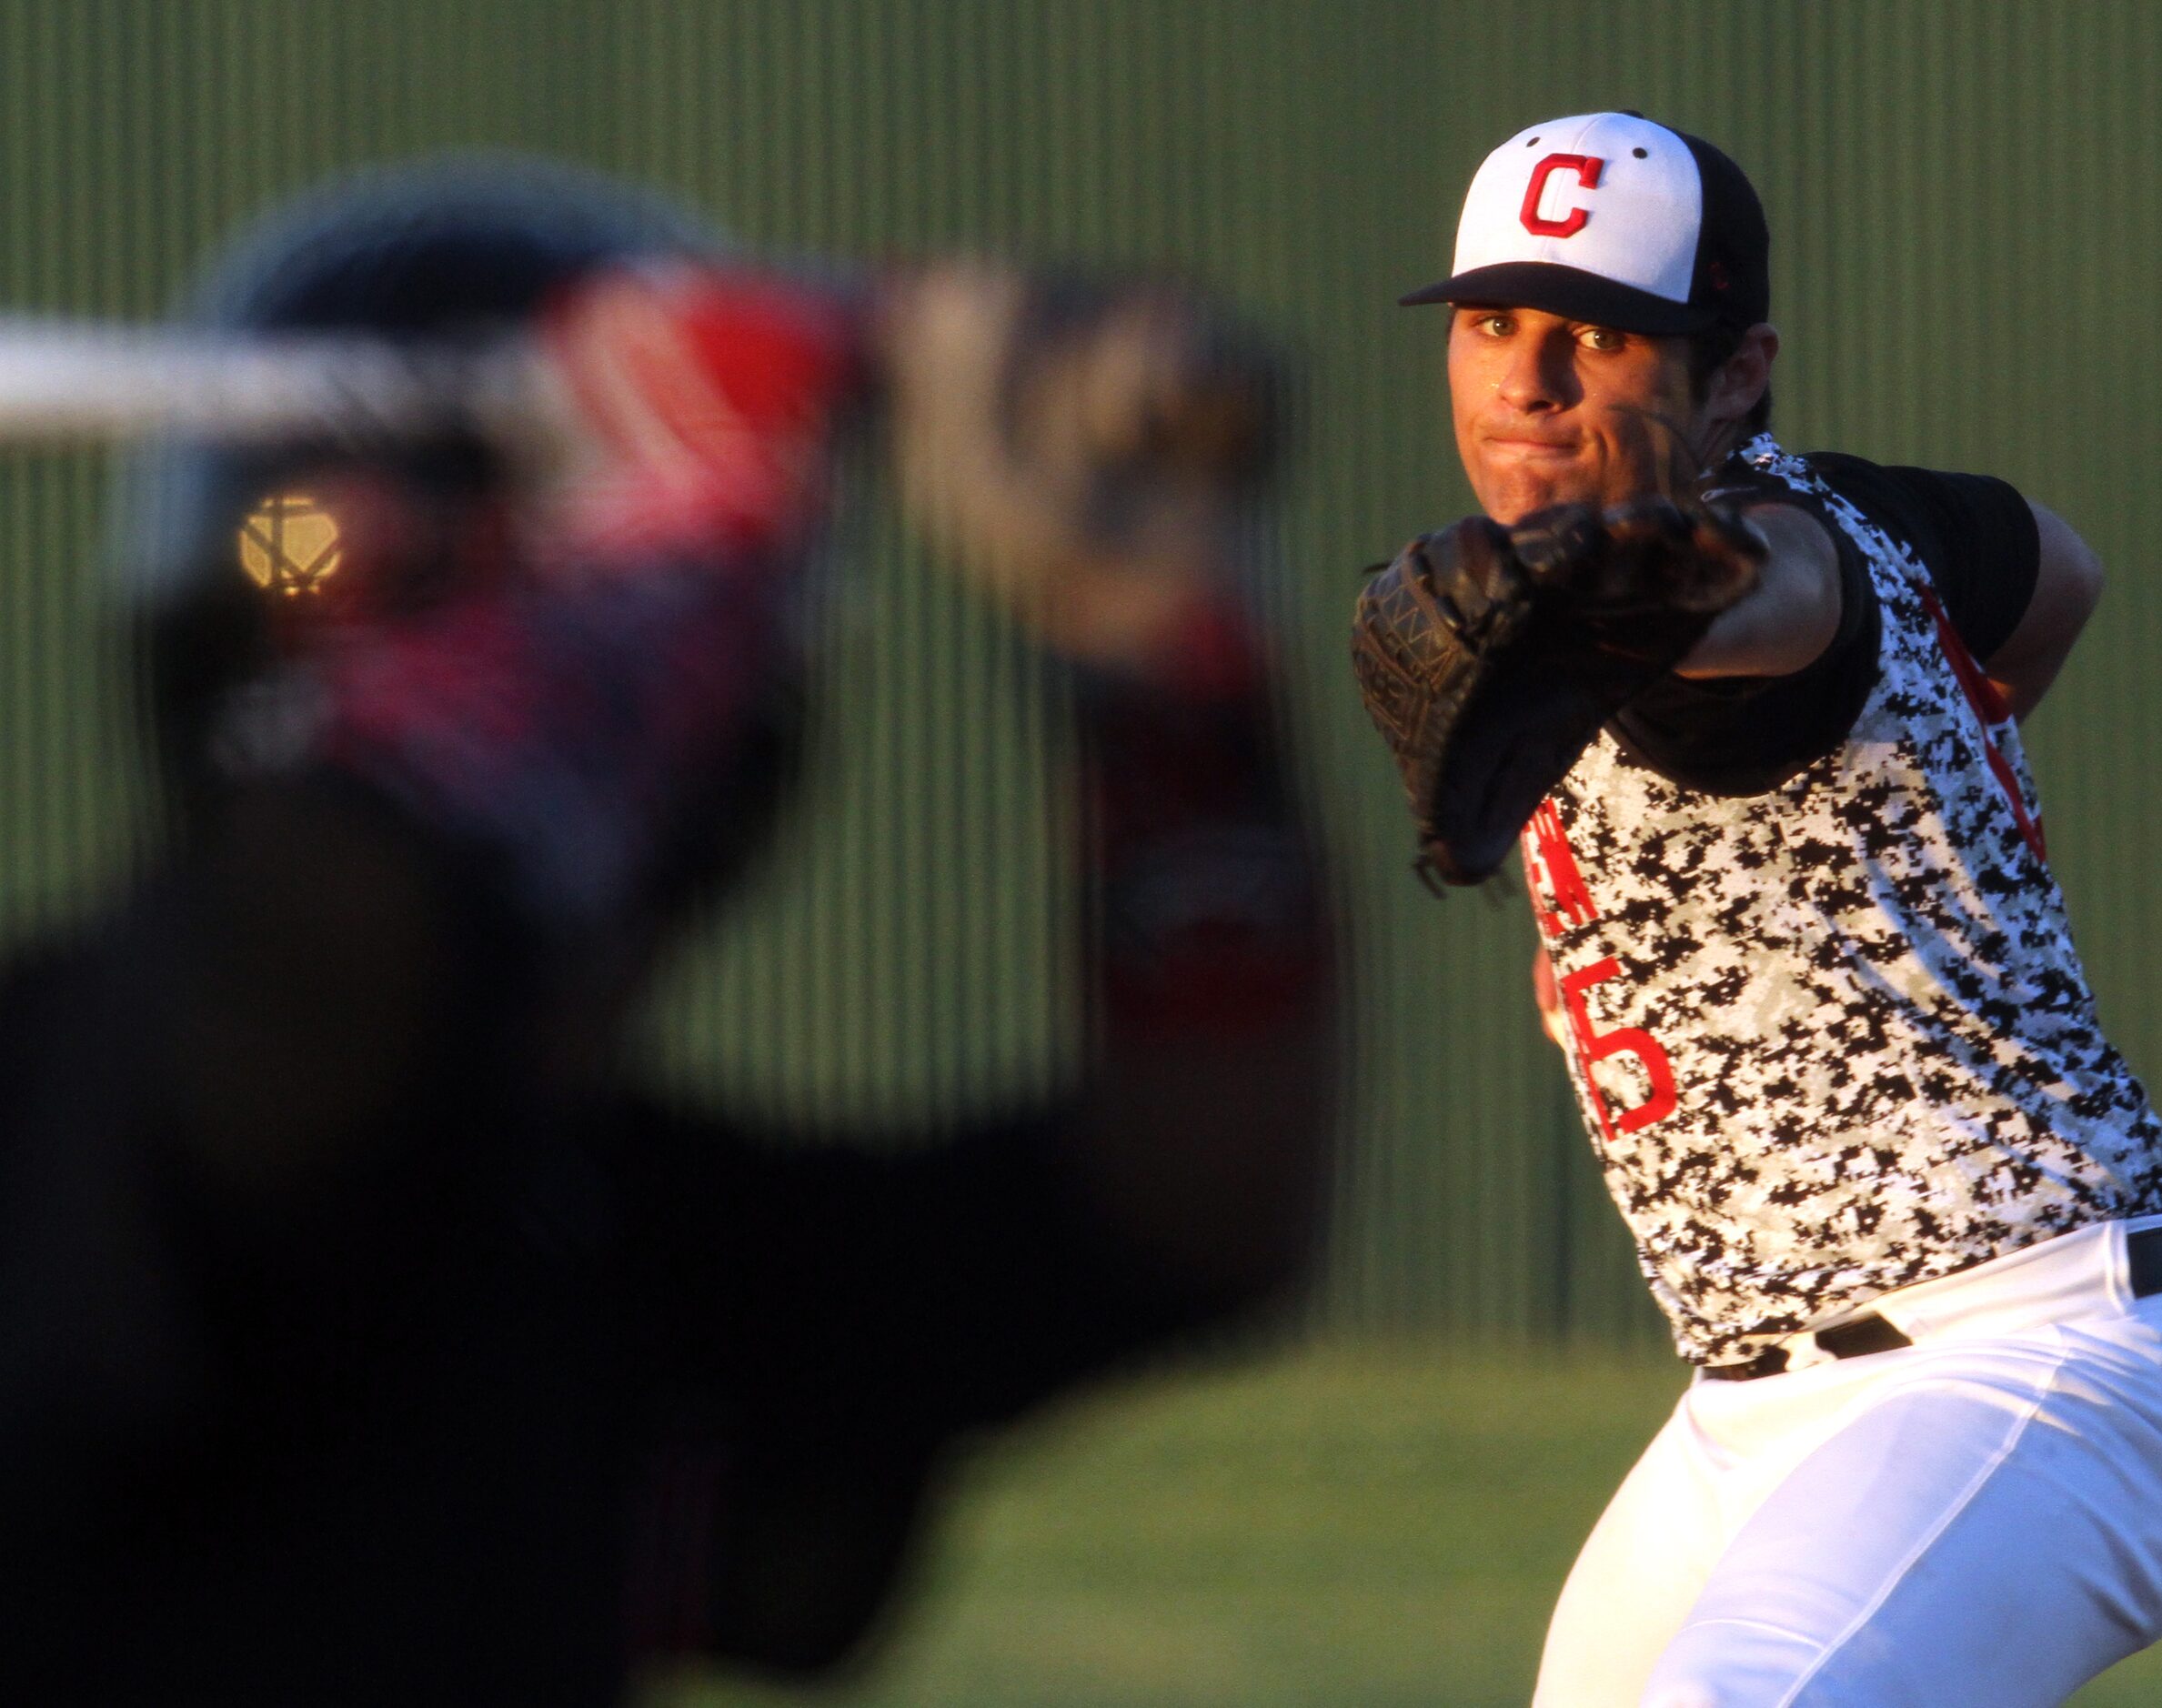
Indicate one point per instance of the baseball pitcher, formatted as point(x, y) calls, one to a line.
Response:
point(1753, 718)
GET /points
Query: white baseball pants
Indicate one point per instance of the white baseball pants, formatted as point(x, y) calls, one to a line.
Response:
point(1973, 1519)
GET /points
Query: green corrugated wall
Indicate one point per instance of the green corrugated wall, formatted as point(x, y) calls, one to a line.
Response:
point(1964, 202)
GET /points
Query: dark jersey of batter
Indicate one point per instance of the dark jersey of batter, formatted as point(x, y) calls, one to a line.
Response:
point(523, 1396)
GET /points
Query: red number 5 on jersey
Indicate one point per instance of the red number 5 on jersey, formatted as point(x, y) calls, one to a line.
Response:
point(1595, 1046)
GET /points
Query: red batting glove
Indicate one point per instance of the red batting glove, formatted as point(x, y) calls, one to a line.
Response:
point(710, 398)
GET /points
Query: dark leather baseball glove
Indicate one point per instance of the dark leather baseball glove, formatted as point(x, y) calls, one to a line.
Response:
point(1489, 656)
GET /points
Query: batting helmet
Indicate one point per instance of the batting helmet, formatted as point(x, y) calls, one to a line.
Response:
point(230, 553)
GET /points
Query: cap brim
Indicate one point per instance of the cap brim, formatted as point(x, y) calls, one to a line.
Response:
point(1566, 291)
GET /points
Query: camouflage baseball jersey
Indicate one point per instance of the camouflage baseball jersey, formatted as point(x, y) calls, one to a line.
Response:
point(1835, 1039)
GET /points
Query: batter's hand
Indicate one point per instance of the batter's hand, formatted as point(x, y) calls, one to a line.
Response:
point(1080, 449)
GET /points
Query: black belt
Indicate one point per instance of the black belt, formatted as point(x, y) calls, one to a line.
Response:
point(1871, 1333)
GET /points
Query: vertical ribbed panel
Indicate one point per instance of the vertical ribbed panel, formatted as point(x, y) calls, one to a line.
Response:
point(1962, 213)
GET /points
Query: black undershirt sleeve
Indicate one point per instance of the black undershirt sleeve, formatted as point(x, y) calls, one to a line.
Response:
point(1975, 534)
point(1740, 736)
point(1745, 736)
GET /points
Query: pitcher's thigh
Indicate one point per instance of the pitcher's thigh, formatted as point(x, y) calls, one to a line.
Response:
point(1633, 1584)
point(1993, 1537)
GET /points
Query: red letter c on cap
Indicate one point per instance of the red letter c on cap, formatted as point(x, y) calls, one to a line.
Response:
point(1586, 167)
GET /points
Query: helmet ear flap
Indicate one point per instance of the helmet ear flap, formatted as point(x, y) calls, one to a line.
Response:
point(366, 542)
point(239, 560)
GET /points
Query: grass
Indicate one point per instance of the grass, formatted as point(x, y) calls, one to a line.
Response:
point(1360, 1527)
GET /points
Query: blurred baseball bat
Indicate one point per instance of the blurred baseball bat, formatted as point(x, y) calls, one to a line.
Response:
point(79, 381)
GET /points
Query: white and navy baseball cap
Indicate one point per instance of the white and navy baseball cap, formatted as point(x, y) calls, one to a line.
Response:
point(1610, 219)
